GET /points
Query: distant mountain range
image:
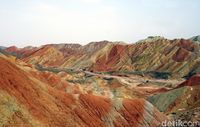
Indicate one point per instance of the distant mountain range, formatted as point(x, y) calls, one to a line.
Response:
point(179, 57)
point(2, 47)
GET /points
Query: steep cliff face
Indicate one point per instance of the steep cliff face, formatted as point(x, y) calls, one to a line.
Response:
point(27, 101)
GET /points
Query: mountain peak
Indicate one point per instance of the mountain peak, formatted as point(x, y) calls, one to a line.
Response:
point(152, 38)
point(12, 49)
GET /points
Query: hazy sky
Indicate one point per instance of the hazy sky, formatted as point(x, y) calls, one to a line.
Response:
point(36, 22)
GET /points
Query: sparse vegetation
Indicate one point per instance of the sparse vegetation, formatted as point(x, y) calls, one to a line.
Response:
point(55, 69)
point(190, 74)
point(154, 74)
point(51, 69)
point(160, 75)
point(108, 78)
point(79, 81)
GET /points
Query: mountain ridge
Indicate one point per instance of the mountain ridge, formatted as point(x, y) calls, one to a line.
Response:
point(149, 54)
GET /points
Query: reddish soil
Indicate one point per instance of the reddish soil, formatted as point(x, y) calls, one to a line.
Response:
point(107, 63)
point(11, 49)
point(181, 55)
point(193, 81)
point(55, 108)
point(187, 44)
point(129, 113)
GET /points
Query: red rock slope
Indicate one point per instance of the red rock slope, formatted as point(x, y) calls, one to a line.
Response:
point(47, 55)
point(193, 81)
point(21, 52)
point(26, 101)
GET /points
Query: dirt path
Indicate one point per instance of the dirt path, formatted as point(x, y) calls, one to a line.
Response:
point(137, 79)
